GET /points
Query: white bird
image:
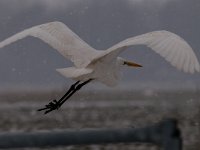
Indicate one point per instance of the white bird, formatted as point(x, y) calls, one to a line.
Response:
point(104, 65)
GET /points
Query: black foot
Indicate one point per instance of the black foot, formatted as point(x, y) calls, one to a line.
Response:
point(51, 106)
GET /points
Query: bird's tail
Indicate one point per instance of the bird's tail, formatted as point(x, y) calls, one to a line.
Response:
point(74, 73)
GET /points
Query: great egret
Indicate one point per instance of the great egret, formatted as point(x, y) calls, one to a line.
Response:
point(103, 66)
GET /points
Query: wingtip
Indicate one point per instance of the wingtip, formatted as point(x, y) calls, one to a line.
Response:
point(198, 69)
point(195, 70)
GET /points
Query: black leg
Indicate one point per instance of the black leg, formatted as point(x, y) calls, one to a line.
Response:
point(78, 87)
point(57, 104)
point(72, 88)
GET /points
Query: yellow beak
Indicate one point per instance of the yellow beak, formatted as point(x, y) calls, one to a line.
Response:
point(132, 64)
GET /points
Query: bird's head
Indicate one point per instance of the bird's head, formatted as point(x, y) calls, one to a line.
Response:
point(122, 61)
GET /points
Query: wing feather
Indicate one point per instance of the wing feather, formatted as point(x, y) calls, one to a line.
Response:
point(169, 45)
point(61, 38)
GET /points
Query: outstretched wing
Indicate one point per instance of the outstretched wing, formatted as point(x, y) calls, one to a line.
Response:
point(60, 37)
point(169, 45)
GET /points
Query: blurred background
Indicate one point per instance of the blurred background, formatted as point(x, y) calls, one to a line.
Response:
point(28, 79)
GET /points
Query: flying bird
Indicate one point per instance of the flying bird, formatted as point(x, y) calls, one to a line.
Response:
point(104, 65)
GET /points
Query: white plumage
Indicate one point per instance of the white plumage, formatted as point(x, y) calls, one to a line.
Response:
point(104, 65)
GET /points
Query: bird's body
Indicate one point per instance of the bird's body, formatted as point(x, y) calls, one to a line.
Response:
point(99, 70)
point(104, 65)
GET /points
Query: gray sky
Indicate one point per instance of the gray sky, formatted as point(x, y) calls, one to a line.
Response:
point(32, 63)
